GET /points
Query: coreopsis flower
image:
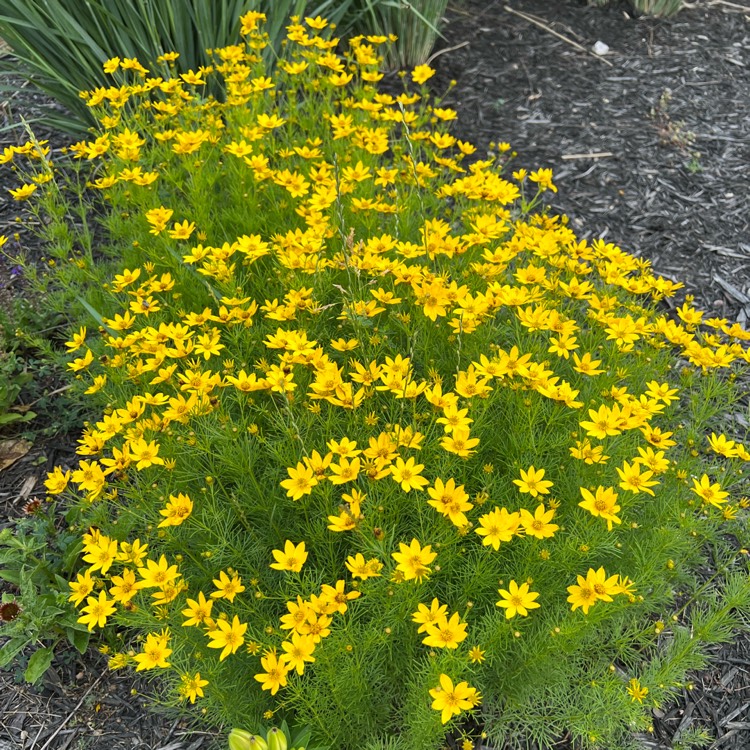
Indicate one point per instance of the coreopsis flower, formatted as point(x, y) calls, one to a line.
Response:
point(445, 633)
point(636, 691)
point(604, 587)
point(498, 526)
point(476, 655)
point(298, 652)
point(586, 365)
point(191, 686)
point(603, 422)
point(414, 560)
point(125, 586)
point(517, 600)
point(712, 494)
point(81, 587)
point(145, 454)
point(345, 471)
point(532, 482)
point(582, 595)
point(459, 442)
point(363, 569)
point(721, 445)
point(634, 480)
point(337, 596)
point(227, 636)
point(301, 481)
point(450, 500)
point(603, 504)
point(291, 559)
point(543, 178)
point(101, 555)
point(24, 192)
point(177, 510)
point(198, 611)
point(57, 481)
point(427, 616)
point(450, 700)
point(422, 73)
point(156, 575)
point(275, 673)
point(155, 652)
point(539, 525)
point(96, 611)
point(226, 587)
point(408, 474)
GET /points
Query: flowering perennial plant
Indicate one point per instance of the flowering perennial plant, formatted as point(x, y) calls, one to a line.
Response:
point(382, 442)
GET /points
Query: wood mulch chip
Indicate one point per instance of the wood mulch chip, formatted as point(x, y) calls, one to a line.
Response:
point(650, 146)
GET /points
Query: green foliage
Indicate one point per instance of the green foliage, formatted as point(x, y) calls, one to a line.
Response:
point(35, 554)
point(13, 378)
point(61, 45)
point(416, 25)
point(331, 352)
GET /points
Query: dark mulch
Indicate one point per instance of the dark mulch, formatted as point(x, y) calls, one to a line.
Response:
point(669, 120)
point(666, 91)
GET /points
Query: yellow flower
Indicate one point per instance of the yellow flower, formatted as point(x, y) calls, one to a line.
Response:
point(155, 653)
point(301, 481)
point(177, 510)
point(291, 559)
point(539, 525)
point(422, 73)
point(498, 526)
point(414, 560)
point(226, 587)
point(198, 611)
point(445, 633)
point(709, 493)
point(298, 652)
point(603, 504)
point(408, 474)
point(636, 691)
point(275, 673)
point(192, 686)
point(635, 480)
point(97, 611)
point(533, 482)
point(23, 193)
point(517, 600)
point(582, 595)
point(450, 700)
point(227, 636)
point(476, 655)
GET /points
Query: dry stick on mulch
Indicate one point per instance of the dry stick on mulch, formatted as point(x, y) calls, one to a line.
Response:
point(567, 40)
point(73, 712)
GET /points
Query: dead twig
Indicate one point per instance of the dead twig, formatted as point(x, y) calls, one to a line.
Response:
point(447, 49)
point(73, 712)
point(594, 155)
point(549, 30)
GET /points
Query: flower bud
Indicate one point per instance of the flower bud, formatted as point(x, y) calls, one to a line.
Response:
point(241, 739)
point(276, 739)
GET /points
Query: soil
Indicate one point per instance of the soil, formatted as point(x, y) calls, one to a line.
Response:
point(650, 145)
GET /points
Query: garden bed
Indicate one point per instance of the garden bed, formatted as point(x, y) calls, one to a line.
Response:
point(652, 196)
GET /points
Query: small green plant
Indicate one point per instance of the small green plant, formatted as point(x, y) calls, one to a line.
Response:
point(35, 614)
point(657, 8)
point(674, 133)
point(13, 378)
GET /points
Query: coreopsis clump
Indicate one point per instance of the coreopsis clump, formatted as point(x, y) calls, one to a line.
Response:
point(382, 442)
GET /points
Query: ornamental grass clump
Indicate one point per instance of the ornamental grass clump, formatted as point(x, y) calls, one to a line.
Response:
point(384, 448)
